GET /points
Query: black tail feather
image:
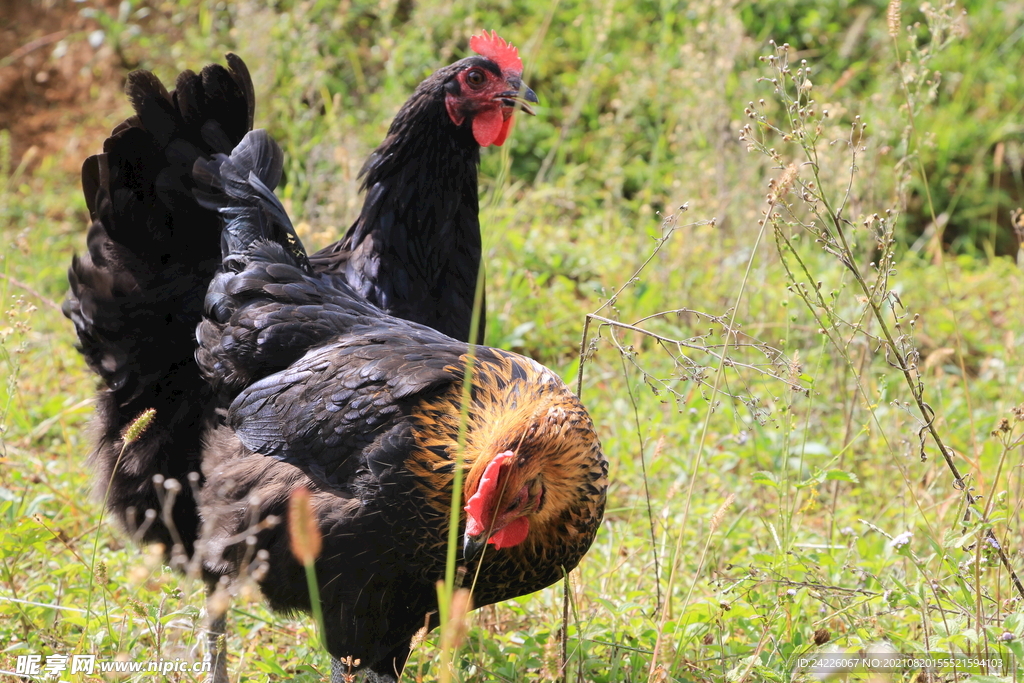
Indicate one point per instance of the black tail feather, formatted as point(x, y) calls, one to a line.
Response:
point(137, 294)
point(267, 307)
point(241, 188)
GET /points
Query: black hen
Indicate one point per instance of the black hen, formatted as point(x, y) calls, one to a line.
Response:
point(363, 409)
point(414, 251)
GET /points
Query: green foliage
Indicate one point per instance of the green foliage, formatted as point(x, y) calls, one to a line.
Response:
point(768, 489)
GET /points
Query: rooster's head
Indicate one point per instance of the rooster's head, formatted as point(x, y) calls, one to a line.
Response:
point(486, 90)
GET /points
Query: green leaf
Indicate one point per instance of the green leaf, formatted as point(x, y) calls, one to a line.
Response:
point(765, 478)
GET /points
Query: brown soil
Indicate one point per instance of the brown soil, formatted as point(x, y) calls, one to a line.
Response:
point(58, 95)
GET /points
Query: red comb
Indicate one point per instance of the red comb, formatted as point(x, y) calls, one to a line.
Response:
point(501, 51)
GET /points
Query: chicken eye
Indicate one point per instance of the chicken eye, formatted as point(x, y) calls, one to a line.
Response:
point(518, 502)
point(476, 78)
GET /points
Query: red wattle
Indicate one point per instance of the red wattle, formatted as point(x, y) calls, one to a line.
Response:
point(505, 128)
point(513, 534)
point(487, 127)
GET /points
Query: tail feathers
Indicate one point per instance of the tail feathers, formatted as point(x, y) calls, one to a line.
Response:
point(150, 239)
point(147, 161)
point(137, 293)
point(241, 188)
point(267, 307)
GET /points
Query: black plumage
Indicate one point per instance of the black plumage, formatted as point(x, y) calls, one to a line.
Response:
point(137, 295)
point(414, 251)
point(364, 412)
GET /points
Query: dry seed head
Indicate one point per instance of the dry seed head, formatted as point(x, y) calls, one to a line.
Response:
point(138, 607)
point(417, 638)
point(893, 16)
point(350, 663)
point(781, 187)
point(716, 519)
point(658, 447)
point(306, 541)
point(458, 624)
point(551, 668)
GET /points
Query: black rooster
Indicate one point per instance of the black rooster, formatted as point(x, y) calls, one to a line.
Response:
point(363, 409)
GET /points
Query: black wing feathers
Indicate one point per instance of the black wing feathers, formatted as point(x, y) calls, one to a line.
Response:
point(329, 405)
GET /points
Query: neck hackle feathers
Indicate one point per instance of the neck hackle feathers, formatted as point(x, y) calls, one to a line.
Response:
point(492, 46)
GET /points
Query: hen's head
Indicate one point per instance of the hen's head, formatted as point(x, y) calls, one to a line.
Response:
point(485, 91)
point(546, 475)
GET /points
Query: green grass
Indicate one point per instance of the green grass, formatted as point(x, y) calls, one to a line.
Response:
point(756, 504)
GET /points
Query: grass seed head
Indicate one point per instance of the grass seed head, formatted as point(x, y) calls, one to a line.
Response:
point(138, 426)
point(305, 536)
point(893, 17)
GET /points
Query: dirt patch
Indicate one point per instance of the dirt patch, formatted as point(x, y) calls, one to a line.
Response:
point(58, 94)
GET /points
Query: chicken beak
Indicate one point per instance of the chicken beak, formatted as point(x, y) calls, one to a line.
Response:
point(472, 547)
point(522, 95)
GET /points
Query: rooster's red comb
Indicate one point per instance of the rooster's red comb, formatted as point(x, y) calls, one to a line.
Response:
point(497, 48)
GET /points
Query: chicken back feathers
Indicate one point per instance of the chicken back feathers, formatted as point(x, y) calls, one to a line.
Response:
point(367, 417)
